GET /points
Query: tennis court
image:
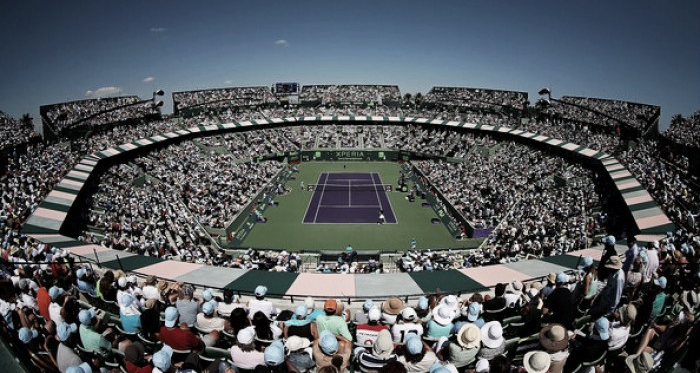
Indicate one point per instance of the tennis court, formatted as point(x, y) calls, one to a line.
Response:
point(350, 198)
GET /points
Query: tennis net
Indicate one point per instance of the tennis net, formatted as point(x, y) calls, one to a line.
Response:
point(350, 187)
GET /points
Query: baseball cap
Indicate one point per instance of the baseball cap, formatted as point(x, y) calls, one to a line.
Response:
point(330, 305)
point(438, 368)
point(86, 316)
point(374, 314)
point(64, 330)
point(367, 305)
point(602, 326)
point(26, 335)
point(81, 272)
point(246, 335)
point(296, 343)
point(473, 311)
point(127, 299)
point(414, 345)
point(82, 368)
point(609, 240)
point(451, 301)
point(562, 277)
point(482, 366)
point(274, 353)
point(586, 261)
point(162, 358)
point(260, 291)
point(301, 310)
point(171, 315)
point(328, 343)
point(207, 295)
point(208, 308)
point(423, 303)
point(121, 282)
point(661, 282)
point(55, 292)
point(409, 314)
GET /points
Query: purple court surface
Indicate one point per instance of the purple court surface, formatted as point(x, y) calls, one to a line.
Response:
point(349, 197)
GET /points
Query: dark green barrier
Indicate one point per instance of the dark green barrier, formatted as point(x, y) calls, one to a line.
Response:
point(447, 213)
point(245, 221)
point(350, 155)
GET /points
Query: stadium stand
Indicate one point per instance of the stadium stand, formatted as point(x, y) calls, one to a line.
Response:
point(613, 114)
point(67, 303)
point(13, 132)
point(350, 94)
point(221, 99)
point(95, 112)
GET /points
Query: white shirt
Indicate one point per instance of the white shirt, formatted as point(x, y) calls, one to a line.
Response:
point(618, 335)
point(264, 306)
point(652, 265)
point(399, 332)
point(151, 292)
point(55, 312)
point(225, 310)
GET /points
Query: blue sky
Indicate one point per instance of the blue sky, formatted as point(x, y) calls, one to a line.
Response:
point(643, 51)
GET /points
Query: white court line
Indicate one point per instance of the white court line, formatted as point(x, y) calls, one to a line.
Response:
point(387, 198)
point(376, 192)
point(320, 200)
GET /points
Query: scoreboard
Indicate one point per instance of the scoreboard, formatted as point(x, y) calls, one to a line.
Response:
point(286, 88)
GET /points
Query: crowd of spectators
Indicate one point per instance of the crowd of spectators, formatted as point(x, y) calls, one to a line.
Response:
point(633, 312)
point(667, 183)
point(215, 99)
point(476, 98)
point(97, 112)
point(603, 112)
point(639, 116)
point(352, 93)
point(535, 203)
point(667, 177)
point(181, 191)
point(14, 132)
point(685, 131)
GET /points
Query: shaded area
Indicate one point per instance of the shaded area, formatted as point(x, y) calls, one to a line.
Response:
point(451, 281)
point(277, 283)
point(132, 263)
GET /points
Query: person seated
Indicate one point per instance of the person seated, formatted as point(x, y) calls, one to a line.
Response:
point(244, 354)
point(207, 320)
point(590, 347)
point(329, 348)
point(332, 322)
point(129, 314)
point(492, 341)
point(406, 325)
point(368, 332)
point(381, 353)
point(261, 304)
point(298, 325)
point(554, 339)
point(300, 353)
point(265, 330)
point(178, 337)
point(90, 337)
point(417, 356)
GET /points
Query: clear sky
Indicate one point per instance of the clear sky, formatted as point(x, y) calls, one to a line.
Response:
point(642, 51)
